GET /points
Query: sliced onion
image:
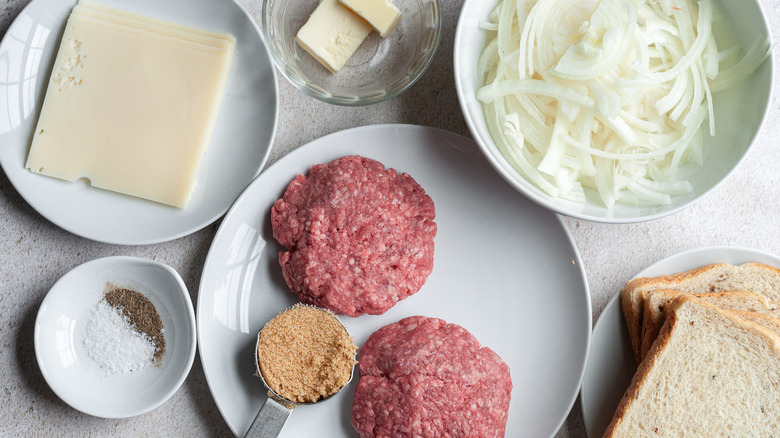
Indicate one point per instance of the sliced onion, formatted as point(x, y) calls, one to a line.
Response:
point(605, 94)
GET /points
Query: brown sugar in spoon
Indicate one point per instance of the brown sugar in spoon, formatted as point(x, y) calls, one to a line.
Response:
point(304, 355)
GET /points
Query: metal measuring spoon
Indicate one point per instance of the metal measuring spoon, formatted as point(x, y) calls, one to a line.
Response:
point(273, 415)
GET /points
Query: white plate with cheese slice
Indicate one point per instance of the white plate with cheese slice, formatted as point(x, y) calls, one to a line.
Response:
point(237, 149)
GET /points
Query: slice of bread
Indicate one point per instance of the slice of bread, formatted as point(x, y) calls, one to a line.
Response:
point(658, 300)
point(709, 373)
point(768, 321)
point(755, 277)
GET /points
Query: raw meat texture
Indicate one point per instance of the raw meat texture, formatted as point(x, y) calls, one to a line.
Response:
point(422, 377)
point(359, 236)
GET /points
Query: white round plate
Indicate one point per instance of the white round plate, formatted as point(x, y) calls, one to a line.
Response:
point(504, 269)
point(240, 143)
point(59, 333)
point(611, 364)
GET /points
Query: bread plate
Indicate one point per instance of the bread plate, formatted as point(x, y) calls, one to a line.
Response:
point(504, 268)
point(611, 366)
point(240, 143)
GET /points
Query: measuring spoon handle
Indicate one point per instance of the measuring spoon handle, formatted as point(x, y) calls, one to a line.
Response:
point(269, 421)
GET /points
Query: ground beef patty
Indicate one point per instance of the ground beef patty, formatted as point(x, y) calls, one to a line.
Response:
point(422, 377)
point(359, 236)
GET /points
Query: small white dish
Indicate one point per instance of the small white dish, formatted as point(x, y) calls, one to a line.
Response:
point(59, 333)
point(505, 269)
point(611, 364)
point(240, 142)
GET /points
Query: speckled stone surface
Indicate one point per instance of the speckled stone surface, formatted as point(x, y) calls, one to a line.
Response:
point(743, 212)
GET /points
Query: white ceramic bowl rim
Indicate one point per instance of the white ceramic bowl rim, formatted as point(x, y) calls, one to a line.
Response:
point(529, 190)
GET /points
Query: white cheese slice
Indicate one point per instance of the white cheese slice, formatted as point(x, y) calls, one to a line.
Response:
point(86, 8)
point(332, 34)
point(382, 14)
point(130, 104)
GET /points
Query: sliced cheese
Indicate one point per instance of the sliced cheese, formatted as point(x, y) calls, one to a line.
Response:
point(86, 8)
point(382, 14)
point(332, 34)
point(131, 103)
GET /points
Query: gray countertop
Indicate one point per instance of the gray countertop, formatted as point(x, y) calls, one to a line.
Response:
point(742, 212)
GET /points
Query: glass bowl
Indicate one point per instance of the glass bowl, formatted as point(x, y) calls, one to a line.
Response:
point(61, 326)
point(380, 69)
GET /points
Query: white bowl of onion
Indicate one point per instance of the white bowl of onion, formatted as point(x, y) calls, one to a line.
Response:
point(615, 110)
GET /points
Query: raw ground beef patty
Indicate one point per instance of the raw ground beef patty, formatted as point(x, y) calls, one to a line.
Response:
point(422, 377)
point(359, 237)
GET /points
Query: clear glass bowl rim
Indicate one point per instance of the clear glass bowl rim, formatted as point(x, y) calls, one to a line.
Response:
point(344, 99)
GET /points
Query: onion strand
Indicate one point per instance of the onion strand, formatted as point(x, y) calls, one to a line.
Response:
point(605, 95)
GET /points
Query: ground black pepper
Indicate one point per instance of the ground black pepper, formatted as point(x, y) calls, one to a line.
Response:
point(142, 315)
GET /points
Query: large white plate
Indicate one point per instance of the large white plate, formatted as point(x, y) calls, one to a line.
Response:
point(504, 268)
point(611, 364)
point(240, 143)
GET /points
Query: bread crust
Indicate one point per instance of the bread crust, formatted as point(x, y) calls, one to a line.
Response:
point(640, 377)
point(632, 298)
point(654, 318)
point(664, 337)
point(635, 291)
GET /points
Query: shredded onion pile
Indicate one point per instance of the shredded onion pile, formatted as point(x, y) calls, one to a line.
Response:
point(608, 94)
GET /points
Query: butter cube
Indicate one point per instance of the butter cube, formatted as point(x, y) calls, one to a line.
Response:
point(332, 34)
point(130, 103)
point(382, 14)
